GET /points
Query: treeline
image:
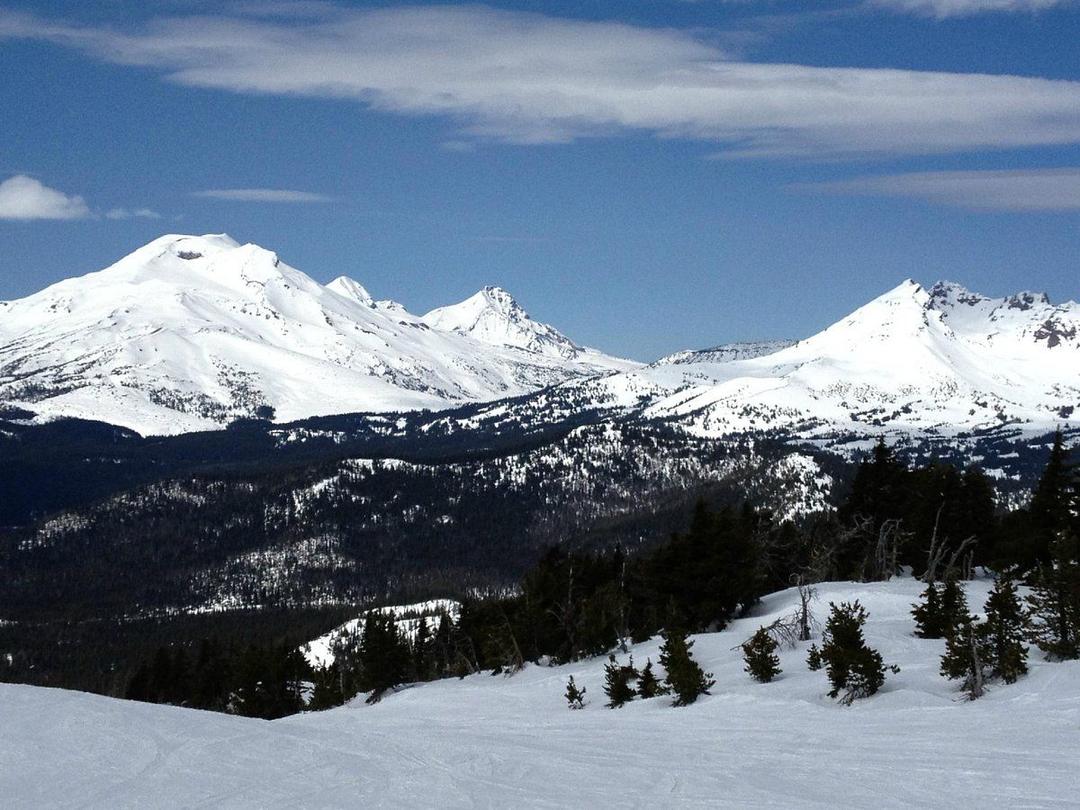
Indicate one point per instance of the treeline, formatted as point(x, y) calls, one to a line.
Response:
point(253, 681)
point(935, 520)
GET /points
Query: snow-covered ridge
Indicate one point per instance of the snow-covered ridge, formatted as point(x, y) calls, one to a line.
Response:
point(191, 332)
point(320, 652)
point(912, 361)
point(725, 353)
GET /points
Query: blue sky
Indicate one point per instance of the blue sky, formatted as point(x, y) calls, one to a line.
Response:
point(646, 176)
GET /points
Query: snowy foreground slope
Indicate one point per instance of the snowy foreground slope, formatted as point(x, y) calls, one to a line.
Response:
point(191, 332)
point(499, 742)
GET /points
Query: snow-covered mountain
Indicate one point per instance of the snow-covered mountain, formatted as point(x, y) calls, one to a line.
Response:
point(942, 359)
point(492, 316)
point(191, 332)
point(916, 361)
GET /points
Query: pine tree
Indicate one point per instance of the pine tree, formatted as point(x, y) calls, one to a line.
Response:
point(954, 609)
point(1053, 501)
point(423, 659)
point(928, 614)
point(617, 678)
point(649, 685)
point(575, 698)
point(854, 670)
point(965, 659)
point(759, 653)
point(684, 676)
point(384, 655)
point(1055, 600)
point(1004, 632)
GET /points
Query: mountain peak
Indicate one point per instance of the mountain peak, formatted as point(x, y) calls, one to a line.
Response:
point(351, 289)
point(189, 332)
point(493, 316)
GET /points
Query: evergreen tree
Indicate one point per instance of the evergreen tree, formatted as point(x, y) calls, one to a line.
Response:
point(575, 697)
point(928, 614)
point(1055, 600)
point(965, 659)
point(759, 653)
point(423, 658)
point(384, 656)
point(649, 685)
point(813, 658)
point(879, 493)
point(954, 609)
point(854, 670)
point(1052, 502)
point(617, 680)
point(1004, 632)
point(684, 676)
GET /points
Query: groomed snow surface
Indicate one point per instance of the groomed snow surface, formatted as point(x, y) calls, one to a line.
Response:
point(511, 742)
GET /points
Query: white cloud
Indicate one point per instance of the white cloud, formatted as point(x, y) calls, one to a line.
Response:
point(1013, 190)
point(24, 198)
point(528, 78)
point(267, 195)
point(128, 213)
point(964, 8)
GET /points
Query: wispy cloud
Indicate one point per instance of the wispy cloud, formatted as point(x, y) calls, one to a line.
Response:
point(965, 8)
point(1016, 190)
point(529, 78)
point(131, 213)
point(25, 198)
point(264, 195)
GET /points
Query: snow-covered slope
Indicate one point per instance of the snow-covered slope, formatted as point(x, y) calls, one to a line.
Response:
point(511, 742)
point(189, 333)
point(942, 360)
point(320, 652)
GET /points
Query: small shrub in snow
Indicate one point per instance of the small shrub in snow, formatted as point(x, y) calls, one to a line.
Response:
point(928, 613)
point(963, 659)
point(759, 653)
point(649, 685)
point(855, 670)
point(575, 697)
point(684, 677)
point(813, 658)
point(617, 682)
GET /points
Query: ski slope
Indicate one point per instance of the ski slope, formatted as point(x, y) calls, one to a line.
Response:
point(501, 742)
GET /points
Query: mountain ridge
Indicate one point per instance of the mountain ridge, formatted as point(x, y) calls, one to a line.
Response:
point(189, 333)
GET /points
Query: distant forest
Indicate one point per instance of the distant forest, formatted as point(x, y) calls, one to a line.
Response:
point(934, 521)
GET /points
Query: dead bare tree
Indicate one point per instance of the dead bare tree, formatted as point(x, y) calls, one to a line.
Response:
point(883, 562)
point(936, 550)
point(510, 652)
point(803, 617)
point(788, 631)
point(951, 567)
point(939, 547)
